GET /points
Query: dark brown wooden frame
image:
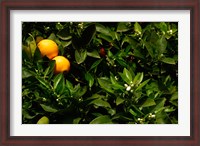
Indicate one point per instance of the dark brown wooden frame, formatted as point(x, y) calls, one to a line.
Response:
point(7, 5)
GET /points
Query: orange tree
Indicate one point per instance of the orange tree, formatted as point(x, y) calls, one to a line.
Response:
point(119, 72)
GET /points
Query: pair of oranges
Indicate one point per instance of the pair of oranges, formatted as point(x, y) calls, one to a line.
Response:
point(50, 49)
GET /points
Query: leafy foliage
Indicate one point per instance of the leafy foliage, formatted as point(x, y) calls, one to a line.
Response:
point(134, 80)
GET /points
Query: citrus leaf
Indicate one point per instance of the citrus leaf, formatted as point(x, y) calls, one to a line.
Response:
point(59, 83)
point(66, 43)
point(80, 92)
point(100, 102)
point(89, 78)
point(27, 73)
point(94, 54)
point(137, 27)
point(105, 84)
point(138, 79)
point(95, 64)
point(168, 60)
point(104, 119)
point(148, 102)
point(123, 26)
point(127, 74)
point(48, 108)
point(161, 45)
point(64, 34)
point(119, 101)
point(142, 84)
point(50, 68)
point(80, 55)
point(43, 82)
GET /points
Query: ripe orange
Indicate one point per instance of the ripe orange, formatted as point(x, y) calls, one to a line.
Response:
point(62, 64)
point(48, 48)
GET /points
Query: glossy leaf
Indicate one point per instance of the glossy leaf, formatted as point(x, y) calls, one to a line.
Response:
point(101, 103)
point(137, 27)
point(50, 68)
point(104, 119)
point(123, 26)
point(89, 78)
point(59, 83)
point(105, 84)
point(64, 34)
point(48, 108)
point(168, 60)
point(119, 101)
point(148, 102)
point(94, 54)
point(80, 55)
point(138, 79)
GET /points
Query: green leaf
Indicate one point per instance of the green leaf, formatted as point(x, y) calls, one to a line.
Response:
point(31, 44)
point(132, 112)
point(26, 52)
point(88, 34)
point(119, 101)
point(174, 96)
point(50, 68)
point(102, 29)
point(94, 54)
point(80, 92)
point(76, 121)
point(64, 34)
point(48, 108)
point(80, 55)
point(137, 27)
point(69, 86)
point(115, 84)
point(101, 103)
point(138, 79)
point(148, 102)
point(161, 45)
point(44, 82)
point(66, 43)
point(105, 37)
point(149, 49)
point(95, 64)
point(52, 37)
point(104, 119)
point(168, 60)
point(89, 78)
point(123, 26)
point(27, 115)
point(159, 105)
point(105, 84)
point(27, 73)
point(138, 53)
point(142, 85)
point(127, 74)
point(129, 40)
point(59, 83)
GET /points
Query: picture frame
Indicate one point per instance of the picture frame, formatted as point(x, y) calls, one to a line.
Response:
point(7, 6)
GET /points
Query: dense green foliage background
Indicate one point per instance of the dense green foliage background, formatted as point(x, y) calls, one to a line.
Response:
point(121, 72)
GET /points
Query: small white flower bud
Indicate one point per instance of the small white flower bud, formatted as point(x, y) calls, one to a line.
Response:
point(128, 88)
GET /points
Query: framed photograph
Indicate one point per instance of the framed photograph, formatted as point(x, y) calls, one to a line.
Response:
point(100, 73)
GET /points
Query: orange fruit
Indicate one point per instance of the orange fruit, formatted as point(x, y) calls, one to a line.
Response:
point(62, 64)
point(48, 48)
